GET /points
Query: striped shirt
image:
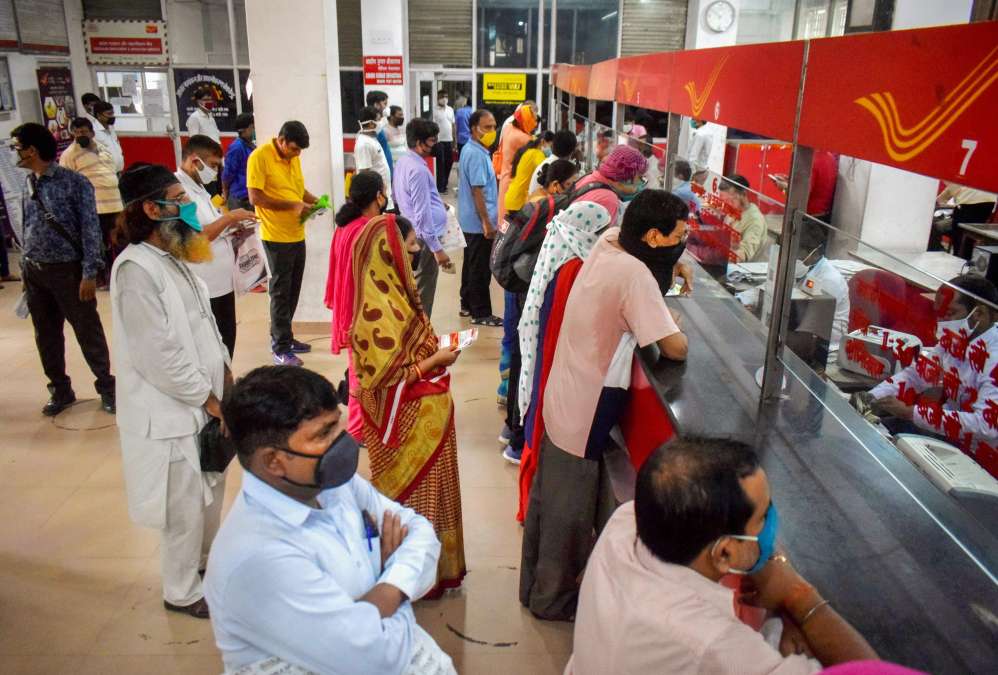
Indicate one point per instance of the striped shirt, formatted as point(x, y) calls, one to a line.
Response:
point(96, 164)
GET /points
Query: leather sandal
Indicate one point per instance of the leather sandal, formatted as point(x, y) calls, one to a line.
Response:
point(199, 610)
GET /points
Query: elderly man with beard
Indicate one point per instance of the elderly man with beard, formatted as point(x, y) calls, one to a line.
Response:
point(174, 369)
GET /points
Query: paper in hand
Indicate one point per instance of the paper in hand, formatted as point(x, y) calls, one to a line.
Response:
point(460, 340)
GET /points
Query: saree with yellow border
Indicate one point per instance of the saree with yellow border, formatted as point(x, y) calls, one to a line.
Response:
point(408, 427)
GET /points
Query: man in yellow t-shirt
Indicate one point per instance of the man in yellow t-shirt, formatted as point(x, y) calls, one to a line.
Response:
point(277, 189)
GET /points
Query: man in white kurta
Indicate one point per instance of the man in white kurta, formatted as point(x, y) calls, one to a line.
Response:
point(313, 567)
point(367, 152)
point(173, 367)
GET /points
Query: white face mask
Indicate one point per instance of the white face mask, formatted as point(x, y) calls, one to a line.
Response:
point(628, 127)
point(206, 173)
point(957, 326)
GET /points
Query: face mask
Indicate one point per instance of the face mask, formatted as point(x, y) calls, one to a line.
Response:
point(766, 539)
point(336, 466)
point(110, 121)
point(206, 173)
point(693, 124)
point(442, 102)
point(956, 326)
point(547, 152)
point(188, 213)
point(84, 141)
point(661, 261)
point(368, 127)
point(382, 207)
point(629, 196)
point(628, 128)
point(253, 137)
point(800, 270)
point(208, 105)
point(488, 139)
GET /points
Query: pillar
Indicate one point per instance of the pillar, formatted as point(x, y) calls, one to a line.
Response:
point(302, 84)
point(384, 25)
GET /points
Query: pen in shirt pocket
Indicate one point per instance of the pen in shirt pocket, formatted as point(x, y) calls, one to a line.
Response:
point(370, 528)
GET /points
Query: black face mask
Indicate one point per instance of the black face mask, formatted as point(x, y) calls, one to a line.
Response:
point(336, 466)
point(110, 121)
point(661, 261)
point(84, 141)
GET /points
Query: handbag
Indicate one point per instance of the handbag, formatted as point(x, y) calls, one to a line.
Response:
point(216, 449)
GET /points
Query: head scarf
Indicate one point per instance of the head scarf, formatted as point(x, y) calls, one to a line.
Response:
point(623, 164)
point(571, 234)
point(525, 118)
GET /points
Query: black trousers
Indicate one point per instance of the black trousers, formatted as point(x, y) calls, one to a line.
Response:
point(287, 268)
point(445, 162)
point(426, 273)
point(53, 295)
point(108, 221)
point(476, 276)
point(513, 421)
point(224, 309)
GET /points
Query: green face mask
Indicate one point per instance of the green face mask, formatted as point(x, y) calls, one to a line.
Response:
point(187, 213)
point(638, 188)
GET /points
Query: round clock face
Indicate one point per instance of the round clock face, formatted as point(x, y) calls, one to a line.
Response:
point(719, 16)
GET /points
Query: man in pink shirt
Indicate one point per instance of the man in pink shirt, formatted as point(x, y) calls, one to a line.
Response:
point(651, 601)
point(619, 291)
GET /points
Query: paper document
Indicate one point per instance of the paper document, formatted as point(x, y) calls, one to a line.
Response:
point(460, 340)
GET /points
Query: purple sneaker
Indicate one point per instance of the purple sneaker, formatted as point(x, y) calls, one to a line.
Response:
point(288, 359)
point(300, 347)
point(512, 456)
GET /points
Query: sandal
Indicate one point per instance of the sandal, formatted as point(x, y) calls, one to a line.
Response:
point(493, 321)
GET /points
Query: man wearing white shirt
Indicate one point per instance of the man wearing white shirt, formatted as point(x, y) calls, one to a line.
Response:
point(201, 121)
point(103, 121)
point(201, 160)
point(367, 151)
point(443, 115)
point(698, 154)
point(314, 567)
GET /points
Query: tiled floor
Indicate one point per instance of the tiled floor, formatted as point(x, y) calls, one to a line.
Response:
point(79, 583)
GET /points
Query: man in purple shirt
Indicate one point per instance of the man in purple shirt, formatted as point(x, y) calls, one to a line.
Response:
point(417, 199)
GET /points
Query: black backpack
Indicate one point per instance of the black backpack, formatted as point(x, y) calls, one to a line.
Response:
point(515, 252)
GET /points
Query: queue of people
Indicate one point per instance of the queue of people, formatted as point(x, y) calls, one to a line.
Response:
point(315, 569)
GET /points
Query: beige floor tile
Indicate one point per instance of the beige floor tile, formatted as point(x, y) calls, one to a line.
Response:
point(34, 506)
point(58, 606)
point(39, 664)
point(140, 625)
point(471, 663)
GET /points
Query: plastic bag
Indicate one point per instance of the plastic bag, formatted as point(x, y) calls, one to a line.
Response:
point(251, 269)
point(453, 238)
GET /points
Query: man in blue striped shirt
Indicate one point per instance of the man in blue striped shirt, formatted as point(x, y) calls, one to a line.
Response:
point(236, 157)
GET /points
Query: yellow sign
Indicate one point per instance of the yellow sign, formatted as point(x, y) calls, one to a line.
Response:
point(504, 87)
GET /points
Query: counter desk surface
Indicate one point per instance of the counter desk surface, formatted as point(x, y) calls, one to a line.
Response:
point(912, 570)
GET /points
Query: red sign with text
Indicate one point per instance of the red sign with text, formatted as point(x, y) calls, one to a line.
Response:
point(126, 45)
point(643, 81)
point(383, 71)
point(922, 100)
point(725, 85)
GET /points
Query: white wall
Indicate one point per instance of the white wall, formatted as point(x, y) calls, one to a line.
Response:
point(300, 81)
point(924, 13)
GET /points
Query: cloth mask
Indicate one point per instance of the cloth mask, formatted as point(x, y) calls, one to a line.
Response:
point(488, 139)
point(956, 326)
point(188, 213)
point(629, 196)
point(766, 539)
point(206, 173)
point(336, 466)
point(111, 121)
point(84, 141)
point(661, 261)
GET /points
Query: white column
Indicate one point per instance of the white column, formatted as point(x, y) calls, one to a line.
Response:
point(82, 78)
point(886, 207)
point(302, 83)
point(699, 36)
point(383, 27)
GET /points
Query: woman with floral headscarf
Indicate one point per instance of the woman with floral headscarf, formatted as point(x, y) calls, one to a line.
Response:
point(571, 235)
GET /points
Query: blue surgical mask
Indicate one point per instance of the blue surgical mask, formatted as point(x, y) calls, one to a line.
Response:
point(188, 213)
point(766, 539)
point(547, 152)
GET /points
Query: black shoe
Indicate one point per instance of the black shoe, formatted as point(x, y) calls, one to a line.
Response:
point(298, 347)
point(107, 404)
point(57, 404)
point(199, 610)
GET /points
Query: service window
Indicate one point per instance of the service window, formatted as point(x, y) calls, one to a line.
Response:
point(141, 99)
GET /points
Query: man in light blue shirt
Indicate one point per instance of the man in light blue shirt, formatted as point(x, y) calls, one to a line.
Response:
point(477, 212)
point(462, 119)
point(313, 567)
point(418, 200)
point(684, 173)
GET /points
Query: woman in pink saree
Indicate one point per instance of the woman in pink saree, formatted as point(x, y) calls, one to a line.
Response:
point(366, 200)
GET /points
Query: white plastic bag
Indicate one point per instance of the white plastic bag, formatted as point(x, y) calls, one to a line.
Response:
point(453, 238)
point(251, 269)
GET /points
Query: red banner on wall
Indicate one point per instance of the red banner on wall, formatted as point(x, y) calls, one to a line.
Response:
point(383, 71)
point(922, 100)
point(573, 79)
point(643, 81)
point(724, 85)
